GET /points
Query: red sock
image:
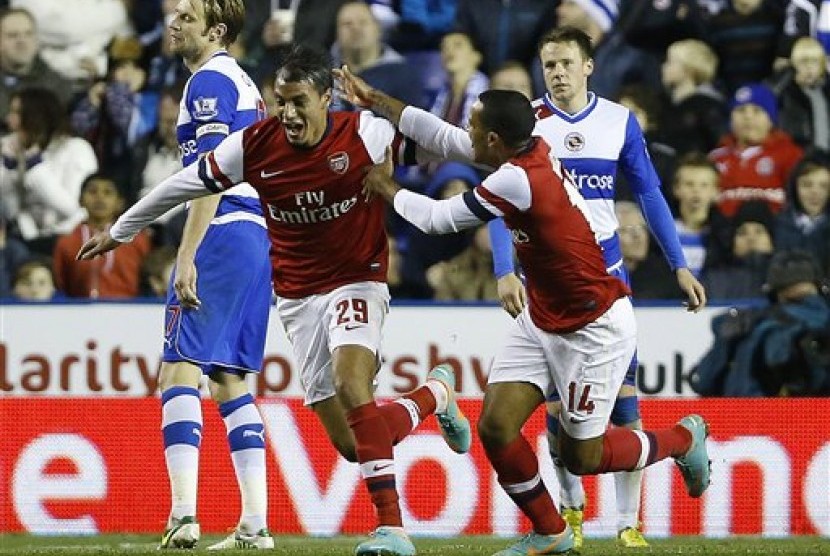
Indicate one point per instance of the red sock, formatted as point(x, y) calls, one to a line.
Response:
point(406, 413)
point(377, 465)
point(518, 472)
point(625, 450)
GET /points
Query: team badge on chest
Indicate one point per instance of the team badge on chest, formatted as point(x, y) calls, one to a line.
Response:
point(574, 141)
point(339, 162)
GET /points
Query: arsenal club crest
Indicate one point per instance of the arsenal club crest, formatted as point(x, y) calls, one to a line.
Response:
point(339, 162)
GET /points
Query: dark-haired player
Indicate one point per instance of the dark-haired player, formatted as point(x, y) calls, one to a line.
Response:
point(329, 259)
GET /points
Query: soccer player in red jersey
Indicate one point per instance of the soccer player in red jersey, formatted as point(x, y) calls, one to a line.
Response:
point(577, 333)
point(329, 258)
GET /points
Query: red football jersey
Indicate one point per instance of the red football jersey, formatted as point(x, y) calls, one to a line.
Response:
point(567, 283)
point(324, 233)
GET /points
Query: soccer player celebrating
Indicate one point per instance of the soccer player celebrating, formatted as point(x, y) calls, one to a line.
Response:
point(221, 332)
point(329, 260)
point(577, 335)
point(594, 137)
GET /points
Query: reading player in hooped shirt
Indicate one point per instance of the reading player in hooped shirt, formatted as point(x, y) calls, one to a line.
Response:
point(224, 337)
point(329, 259)
point(577, 333)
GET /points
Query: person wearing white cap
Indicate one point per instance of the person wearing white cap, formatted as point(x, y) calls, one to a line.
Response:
point(594, 138)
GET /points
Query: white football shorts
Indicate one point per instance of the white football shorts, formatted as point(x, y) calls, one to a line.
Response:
point(587, 367)
point(318, 324)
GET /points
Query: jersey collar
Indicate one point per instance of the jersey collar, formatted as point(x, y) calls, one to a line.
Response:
point(572, 118)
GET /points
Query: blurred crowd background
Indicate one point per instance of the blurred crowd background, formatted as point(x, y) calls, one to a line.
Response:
point(732, 95)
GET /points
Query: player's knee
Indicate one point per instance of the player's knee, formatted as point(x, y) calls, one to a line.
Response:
point(626, 410)
point(493, 431)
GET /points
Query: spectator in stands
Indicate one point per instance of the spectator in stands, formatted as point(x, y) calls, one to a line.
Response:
point(422, 251)
point(156, 270)
point(804, 96)
point(756, 158)
point(20, 63)
point(468, 276)
point(13, 253)
point(74, 34)
point(779, 350)
point(360, 47)
point(118, 273)
point(654, 26)
point(621, 63)
point(118, 113)
point(33, 281)
point(463, 84)
point(650, 276)
point(43, 168)
point(645, 104)
point(741, 273)
point(512, 76)
point(805, 221)
point(695, 188)
point(420, 25)
point(746, 34)
point(698, 109)
point(505, 31)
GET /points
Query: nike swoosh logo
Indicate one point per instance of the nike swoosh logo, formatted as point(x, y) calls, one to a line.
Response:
point(575, 420)
point(265, 175)
point(353, 326)
point(381, 467)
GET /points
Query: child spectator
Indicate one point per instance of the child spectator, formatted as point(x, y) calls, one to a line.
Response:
point(755, 159)
point(805, 96)
point(117, 114)
point(805, 222)
point(695, 188)
point(33, 281)
point(742, 271)
point(698, 109)
point(115, 275)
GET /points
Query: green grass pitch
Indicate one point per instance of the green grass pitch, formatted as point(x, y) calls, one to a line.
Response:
point(459, 546)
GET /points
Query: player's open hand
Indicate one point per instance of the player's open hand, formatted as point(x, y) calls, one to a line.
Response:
point(184, 283)
point(98, 244)
point(693, 289)
point(351, 87)
point(512, 294)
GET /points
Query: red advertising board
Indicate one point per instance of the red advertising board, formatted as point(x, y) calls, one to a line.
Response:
point(96, 465)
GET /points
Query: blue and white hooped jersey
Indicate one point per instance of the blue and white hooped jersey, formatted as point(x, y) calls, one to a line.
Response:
point(593, 145)
point(220, 98)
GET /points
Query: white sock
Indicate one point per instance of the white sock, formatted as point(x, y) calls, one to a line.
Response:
point(571, 493)
point(627, 485)
point(181, 421)
point(183, 470)
point(442, 396)
point(246, 437)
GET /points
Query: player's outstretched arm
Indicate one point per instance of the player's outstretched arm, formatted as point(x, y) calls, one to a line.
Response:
point(693, 289)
